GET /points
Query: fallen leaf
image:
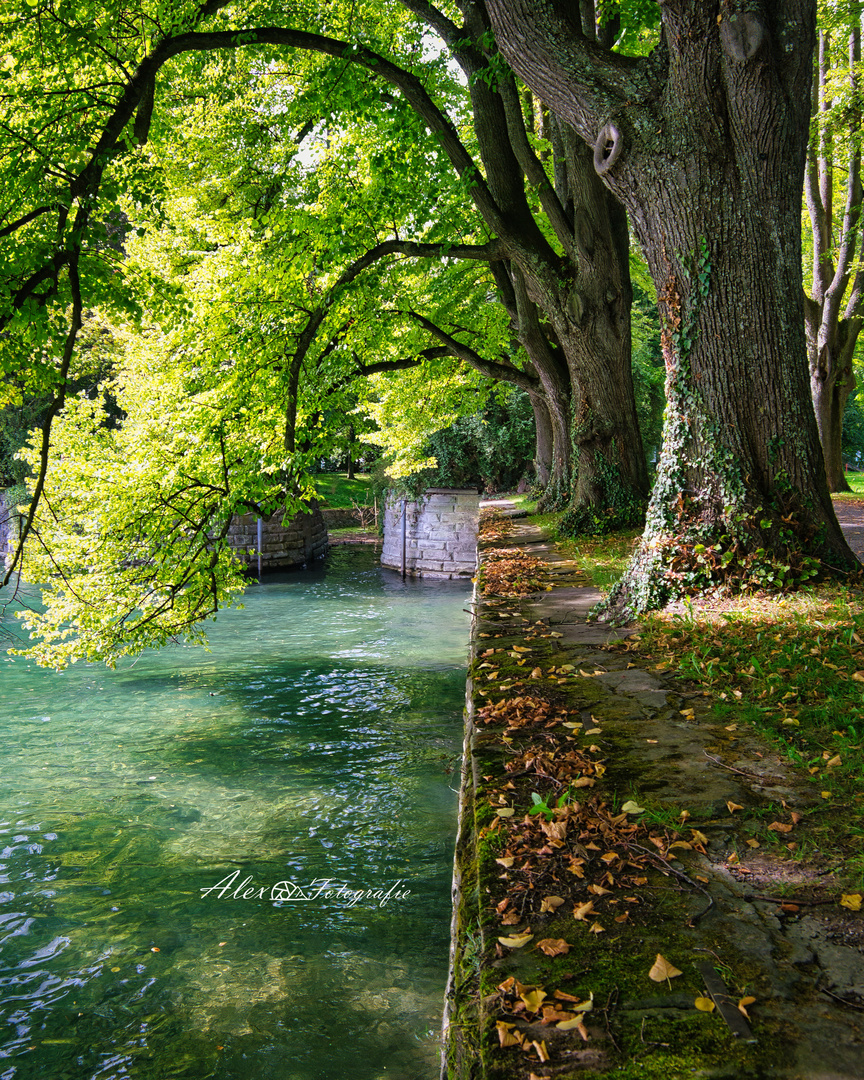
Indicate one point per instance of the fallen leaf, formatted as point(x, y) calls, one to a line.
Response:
point(505, 811)
point(733, 806)
point(583, 910)
point(825, 794)
point(743, 1003)
point(506, 1036)
point(789, 907)
point(704, 1004)
point(506, 862)
point(540, 1047)
point(550, 903)
point(596, 929)
point(663, 970)
point(851, 901)
point(833, 762)
point(858, 676)
point(553, 946)
point(753, 843)
point(536, 673)
point(568, 1025)
point(631, 807)
point(516, 941)
point(533, 999)
point(779, 826)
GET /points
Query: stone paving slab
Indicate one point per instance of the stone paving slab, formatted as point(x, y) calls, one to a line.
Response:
point(661, 746)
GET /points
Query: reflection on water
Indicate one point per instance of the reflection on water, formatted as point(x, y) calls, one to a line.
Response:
point(315, 742)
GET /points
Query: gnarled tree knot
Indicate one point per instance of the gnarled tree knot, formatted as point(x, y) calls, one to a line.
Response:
point(607, 149)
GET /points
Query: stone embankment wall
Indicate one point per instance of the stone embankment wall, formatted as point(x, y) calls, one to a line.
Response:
point(441, 533)
point(8, 528)
point(299, 541)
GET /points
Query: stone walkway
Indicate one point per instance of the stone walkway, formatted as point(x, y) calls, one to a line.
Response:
point(774, 931)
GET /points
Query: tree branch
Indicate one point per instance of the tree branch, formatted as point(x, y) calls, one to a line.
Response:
point(501, 371)
point(483, 252)
point(56, 406)
point(577, 78)
point(533, 167)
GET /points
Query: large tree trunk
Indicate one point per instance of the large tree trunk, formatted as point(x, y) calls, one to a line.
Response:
point(611, 474)
point(704, 143)
point(543, 440)
point(583, 296)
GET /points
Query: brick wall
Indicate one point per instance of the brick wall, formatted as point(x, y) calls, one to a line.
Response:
point(441, 533)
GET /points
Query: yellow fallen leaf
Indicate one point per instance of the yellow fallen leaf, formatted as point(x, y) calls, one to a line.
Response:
point(553, 946)
point(663, 970)
point(825, 794)
point(733, 806)
point(631, 807)
point(520, 648)
point(583, 910)
point(699, 837)
point(732, 859)
point(505, 811)
point(851, 901)
point(506, 862)
point(753, 843)
point(533, 999)
point(516, 941)
point(583, 781)
point(858, 676)
point(536, 673)
point(833, 762)
point(550, 903)
point(743, 1003)
point(598, 890)
point(596, 928)
point(585, 674)
point(704, 1004)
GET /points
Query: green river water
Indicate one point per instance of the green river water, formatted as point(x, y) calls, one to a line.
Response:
point(315, 743)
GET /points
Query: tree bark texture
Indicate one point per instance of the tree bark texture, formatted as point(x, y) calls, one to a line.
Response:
point(704, 143)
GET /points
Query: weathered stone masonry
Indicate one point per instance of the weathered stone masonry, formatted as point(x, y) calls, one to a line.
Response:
point(441, 533)
point(298, 541)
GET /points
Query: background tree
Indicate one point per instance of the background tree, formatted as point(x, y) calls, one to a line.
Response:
point(704, 141)
point(833, 305)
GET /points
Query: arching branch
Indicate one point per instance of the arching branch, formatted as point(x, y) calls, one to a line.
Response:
point(505, 372)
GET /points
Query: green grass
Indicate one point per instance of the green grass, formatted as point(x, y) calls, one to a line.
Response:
point(337, 491)
point(856, 482)
point(793, 667)
point(603, 559)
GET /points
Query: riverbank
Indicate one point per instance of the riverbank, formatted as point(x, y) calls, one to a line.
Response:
point(615, 913)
